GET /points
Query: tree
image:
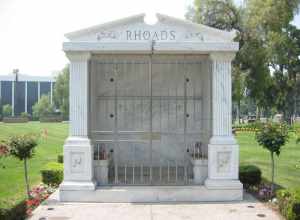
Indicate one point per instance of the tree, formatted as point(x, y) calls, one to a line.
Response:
point(238, 90)
point(272, 137)
point(257, 31)
point(7, 110)
point(43, 107)
point(22, 147)
point(61, 92)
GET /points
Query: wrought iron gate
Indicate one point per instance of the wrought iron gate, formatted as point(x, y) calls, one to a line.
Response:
point(147, 114)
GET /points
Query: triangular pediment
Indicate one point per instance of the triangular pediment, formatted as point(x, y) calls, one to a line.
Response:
point(166, 29)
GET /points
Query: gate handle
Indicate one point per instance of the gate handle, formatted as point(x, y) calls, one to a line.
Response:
point(111, 79)
point(187, 115)
point(111, 115)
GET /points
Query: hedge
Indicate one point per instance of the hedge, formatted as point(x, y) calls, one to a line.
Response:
point(15, 212)
point(289, 203)
point(60, 158)
point(52, 173)
point(250, 175)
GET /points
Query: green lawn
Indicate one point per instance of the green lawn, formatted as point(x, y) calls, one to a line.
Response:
point(287, 171)
point(12, 179)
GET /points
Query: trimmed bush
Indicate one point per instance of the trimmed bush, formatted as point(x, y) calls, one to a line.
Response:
point(52, 173)
point(289, 203)
point(60, 158)
point(250, 175)
point(16, 212)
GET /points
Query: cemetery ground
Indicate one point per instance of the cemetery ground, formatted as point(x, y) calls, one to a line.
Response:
point(12, 187)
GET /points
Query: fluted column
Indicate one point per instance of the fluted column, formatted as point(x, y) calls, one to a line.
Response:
point(79, 87)
point(78, 149)
point(221, 97)
point(223, 151)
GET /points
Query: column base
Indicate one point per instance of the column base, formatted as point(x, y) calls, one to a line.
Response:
point(223, 184)
point(76, 185)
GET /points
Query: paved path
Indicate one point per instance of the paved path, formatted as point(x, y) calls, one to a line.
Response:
point(249, 209)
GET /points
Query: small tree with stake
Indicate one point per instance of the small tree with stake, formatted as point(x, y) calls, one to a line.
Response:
point(22, 147)
point(272, 136)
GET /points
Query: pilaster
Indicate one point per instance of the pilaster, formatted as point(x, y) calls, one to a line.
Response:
point(78, 149)
point(223, 151)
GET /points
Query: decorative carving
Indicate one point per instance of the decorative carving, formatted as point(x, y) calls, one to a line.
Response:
point(223, 160)
point(107, 34)
point(77, 165)
point(196, 35)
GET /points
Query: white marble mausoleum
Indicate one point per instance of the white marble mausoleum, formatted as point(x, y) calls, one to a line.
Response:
point(150, 113)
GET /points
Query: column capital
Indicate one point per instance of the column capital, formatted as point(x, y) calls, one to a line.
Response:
point(222, 56)
point(78, 55)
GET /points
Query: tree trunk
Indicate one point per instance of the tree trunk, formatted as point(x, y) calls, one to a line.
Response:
point(238, 111)
point(26, 178)
point(273, 167)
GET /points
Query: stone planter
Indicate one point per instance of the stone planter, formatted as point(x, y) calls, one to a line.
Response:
point(101, 171)
point(200, 170)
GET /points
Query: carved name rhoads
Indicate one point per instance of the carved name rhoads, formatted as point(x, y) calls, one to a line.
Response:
point(150, 35)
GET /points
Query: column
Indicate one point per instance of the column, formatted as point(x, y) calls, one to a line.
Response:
point(39, 90)
point(13, 97)
point(26, 101)
point(223, 151)
point(78, 150)
point(51, 92)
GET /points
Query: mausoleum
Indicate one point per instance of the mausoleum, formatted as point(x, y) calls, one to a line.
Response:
point(150, 113)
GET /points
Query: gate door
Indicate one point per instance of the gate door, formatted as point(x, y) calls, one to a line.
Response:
point(147, 114)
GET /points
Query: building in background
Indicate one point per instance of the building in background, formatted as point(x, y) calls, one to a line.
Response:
point(22, 93)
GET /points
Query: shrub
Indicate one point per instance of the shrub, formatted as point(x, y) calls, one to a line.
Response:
point(289, 203)
point(52, 173)
point(43, 107)
point(60, 158)
point(250, 175)
point(24, 115)
point(15, 212)
point(6, 110)
point(272, 136)
point(22, 147)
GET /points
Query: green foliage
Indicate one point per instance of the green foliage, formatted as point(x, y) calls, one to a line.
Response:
point(249, 175)
point(43, 107)
point(7, 110)
point(289, 203)
point(22, 146)
point(52, 173)
point(25, 115)
point(265, 41)
point(60, 158)
point(61, 92)
point(13, 212)
point(273, 136)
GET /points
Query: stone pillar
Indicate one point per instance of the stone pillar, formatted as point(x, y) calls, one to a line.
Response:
point(223, 151)
point(78, 150)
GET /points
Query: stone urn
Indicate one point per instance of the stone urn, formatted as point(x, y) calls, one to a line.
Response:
point(200, 170)
point(101, 171)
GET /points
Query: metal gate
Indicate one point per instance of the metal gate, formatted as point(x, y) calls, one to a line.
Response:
point(146, 117)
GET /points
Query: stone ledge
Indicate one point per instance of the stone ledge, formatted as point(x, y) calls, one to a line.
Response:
point(223, 184)
point(129, 194)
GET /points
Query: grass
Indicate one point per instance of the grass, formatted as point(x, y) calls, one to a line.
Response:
point(287, 165)
point(12, 187)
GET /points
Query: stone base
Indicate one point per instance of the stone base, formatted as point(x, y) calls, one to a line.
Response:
point(77, 186)
point(129, 194)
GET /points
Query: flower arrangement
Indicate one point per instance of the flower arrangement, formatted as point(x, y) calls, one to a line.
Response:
point(37, 195)
point(4, 151)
